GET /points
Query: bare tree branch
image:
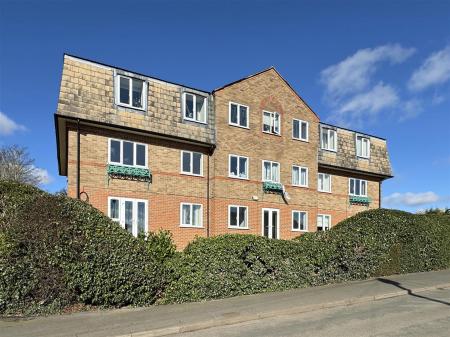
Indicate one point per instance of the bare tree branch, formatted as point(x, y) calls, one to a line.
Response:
point(16, 165)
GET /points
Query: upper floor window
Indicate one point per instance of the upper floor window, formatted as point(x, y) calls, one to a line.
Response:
point(192, 163)
point(300, 130)
point(323, 222)
point(271, 122)
point(194, 107)
point(123, 152)
point(271, 171)
point(299, 221)
point(328, 139)
point(238, 115)
point(191, 215)
point(238, 167)
point(357, 187)
point(131, 92)
point(362, 146)
point(299, 176)
point(324, 182)
point(237, 217)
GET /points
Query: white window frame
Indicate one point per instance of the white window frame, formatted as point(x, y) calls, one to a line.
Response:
point(121, 218)
point(229, 217)
point(190, 173)
point(361, 181)
point(329, 130)
point(272, 122)
point(247, 177)
point(135, 144)
point(300, 176)
point(318, 184)
point(239, 115)
point(362, 138)
point(271, 210)
point(130, 93)
point(271, 165)
point(300, 121)
point(329, 222)
point(195, 107)
point(191, 207)
point(306, 222)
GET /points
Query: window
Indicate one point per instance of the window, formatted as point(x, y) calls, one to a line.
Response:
point(299, 221)
point(271, 171)
point(324, 182)
point(362, 146)
point(191, 215)
point(271, 122)
point(131, 92)
point(299, 176)
point(238, 115)
point(357, 187)
point(194, 107)
point(123, 152)
point(323, 222)
point(238, 167)
point(300, 130)
point(131, 214)
point(192, 163)
point(328, 139)
point(237, 217)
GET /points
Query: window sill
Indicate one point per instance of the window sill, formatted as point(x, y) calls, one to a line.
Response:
point(194, 121)
point(131, 107)
point(301, 186)
point(192, 175)
point(329, 150)
point(238, 228)
point(300, 230)
point(301, 140)
point(329, 192)
point(194, 227)
point(239, 178)
point(271, 133)
point(239, 126)
point(362, 157)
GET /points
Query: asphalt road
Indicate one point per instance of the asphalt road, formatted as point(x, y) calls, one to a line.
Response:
point(424, 315)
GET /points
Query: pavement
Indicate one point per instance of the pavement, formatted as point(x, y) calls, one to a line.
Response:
point(191, 317)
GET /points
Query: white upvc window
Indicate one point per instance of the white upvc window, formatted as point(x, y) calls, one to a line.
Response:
point(271, 122)
point(191, 215)
point(300, 130)
point(238, 115)
point(299, 176)
point(324, 182)
point(192, 163)
point(328, 139)
point(237, 217)
point(127, 153)
point(323, 222)
point(299, 221)
point(131, 92)
point(271, 171)
point(131, 214)
point(357, 187)
point(195, 107)
point(237, 166)
point(362, 146)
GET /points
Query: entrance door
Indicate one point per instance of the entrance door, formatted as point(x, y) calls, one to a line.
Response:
point(270, 223)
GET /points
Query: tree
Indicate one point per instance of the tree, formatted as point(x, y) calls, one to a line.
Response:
point(16, 165)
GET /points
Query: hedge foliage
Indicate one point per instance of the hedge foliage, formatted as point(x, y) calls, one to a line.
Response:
point(56, 252)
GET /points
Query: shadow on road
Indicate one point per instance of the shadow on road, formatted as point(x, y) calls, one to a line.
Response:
point(399, 285)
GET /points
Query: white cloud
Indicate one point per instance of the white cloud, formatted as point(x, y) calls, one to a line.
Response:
point(411, 199)
point(44, 177)
point(433, 71)
point(410, 109)
point(8, 126)
point(437, 99)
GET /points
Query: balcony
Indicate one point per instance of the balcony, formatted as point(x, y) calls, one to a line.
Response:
point(356, 200)
point(271, 187)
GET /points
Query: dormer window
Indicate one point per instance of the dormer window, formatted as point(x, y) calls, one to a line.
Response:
point(362, 146)
point(194, 107)
point(131, 92)
point(328, 139)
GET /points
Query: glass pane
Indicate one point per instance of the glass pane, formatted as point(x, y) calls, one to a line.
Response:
point(304, 130)
point(276, 124)
point(242, 217)
point(303, 178)
point(275, 173)
point(358, 146)
point(295, 129)
point(114, 208)
point(129, 216)
point(274, 225)
point(266, 223)
point(197, 215)
point(128, 153)
point(233, 216)
point(189, 106)
point(295, 176)
point(357, 187)
point(295, 224)
point(234, 114)
point(302, 221)
point(124, 90)
point(115, 151)
point(320, 182)
point(267, 171)
point(186, 215)
point(266, 122)
point(141, 217)
point(140, 154)
point(352, 186)
point(363, 188)
point(242, 167)
point(366, 145)
point(187, 162)
point(332, 140)
point(326, 182)
point(201, 108)
point(325, 138)
point(243, 116)
point(319, 222)
point(137, 93)
point(196, 163)
point(233, 166)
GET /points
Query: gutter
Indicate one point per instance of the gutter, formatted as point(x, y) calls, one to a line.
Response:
point(350, 170)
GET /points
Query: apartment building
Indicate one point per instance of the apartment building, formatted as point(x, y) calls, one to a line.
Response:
point(250, 157)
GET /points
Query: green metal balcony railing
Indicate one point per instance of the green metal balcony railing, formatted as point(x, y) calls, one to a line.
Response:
point(272, 187)
point(126, 172)
point(359, 200)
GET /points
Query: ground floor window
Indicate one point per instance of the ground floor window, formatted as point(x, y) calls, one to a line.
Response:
point(237, 217)
point(323, 222)
point(132, 214)
point(191, 215)
point(299, 221)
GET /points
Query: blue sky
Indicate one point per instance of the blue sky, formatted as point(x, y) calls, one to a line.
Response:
point(382, 67)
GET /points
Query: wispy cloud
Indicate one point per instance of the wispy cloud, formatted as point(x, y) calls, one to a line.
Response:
point(8, 126)
point(434, 70)
point(410, 109)
point(411, 199)
point(43, 175)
